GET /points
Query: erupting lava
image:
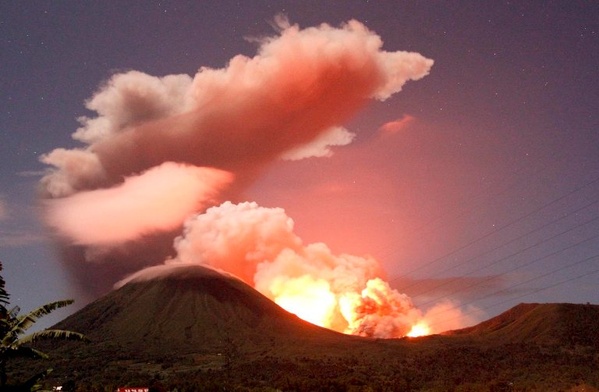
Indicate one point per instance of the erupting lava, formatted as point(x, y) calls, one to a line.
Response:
point(310, 300)
point(340, 292)
point(376, 311)
point(420, 329)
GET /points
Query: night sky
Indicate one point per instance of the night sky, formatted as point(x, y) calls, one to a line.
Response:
point(478, 183)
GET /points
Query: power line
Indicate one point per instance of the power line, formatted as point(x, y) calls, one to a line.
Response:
point(551, 273)
point(526, 294)
point(475, 201)
point(519, 267)
point(500, 228)
point(508, 256)
point(555, 159)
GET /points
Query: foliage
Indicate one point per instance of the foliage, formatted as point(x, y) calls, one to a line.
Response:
point(141, 341)
point(461, 367)
point(15, 343)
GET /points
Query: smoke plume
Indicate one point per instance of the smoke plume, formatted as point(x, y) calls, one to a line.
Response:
point(156, 200)
point(167, 158)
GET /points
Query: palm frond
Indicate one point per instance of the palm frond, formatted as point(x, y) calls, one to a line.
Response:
point(52, 334)
point(30, 318)
point(12, 313)
point(10, 335)
point(5, 325)
point(13, 326)
point(4, 296)
point(16, 326)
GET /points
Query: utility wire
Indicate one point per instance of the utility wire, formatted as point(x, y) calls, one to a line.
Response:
point(515, 183)
point(518, 268)
point(474, 202)
point(526, 294)
point(539, 242)
point(510, 223)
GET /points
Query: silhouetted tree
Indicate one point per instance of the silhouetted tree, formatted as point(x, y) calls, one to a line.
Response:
point(15, 343)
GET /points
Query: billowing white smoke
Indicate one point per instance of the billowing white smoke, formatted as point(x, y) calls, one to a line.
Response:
point(341, 292)
point(257, 244)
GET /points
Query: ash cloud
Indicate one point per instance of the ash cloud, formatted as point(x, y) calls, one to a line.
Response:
point(301, 84)
point(163, 148)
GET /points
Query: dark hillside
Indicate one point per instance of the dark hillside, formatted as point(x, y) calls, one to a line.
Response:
point(545, 324)
point(193, 309)
point(195, 329)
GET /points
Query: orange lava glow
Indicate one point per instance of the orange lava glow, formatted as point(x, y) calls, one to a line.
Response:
point(309, 299)
point(420, 329)
point(375, 311)
point(340, 292)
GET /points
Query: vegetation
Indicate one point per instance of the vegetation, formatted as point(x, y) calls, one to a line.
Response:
point(448, 367)
point(15, 343)
point(205, 333)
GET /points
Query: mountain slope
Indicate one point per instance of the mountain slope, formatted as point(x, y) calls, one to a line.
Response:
point(196, 329)
point(547, 324)
point(191, 309)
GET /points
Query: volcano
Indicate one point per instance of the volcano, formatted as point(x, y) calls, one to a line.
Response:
point(190, 308)
point(193, 328)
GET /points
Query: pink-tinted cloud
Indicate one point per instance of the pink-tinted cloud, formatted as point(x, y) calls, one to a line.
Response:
point(130, 99)
point(76, 169)
point(447, 315)
point(321, 145)
point(395, 126)
point(157, 200)
point(288, 101)
point(301, 84)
